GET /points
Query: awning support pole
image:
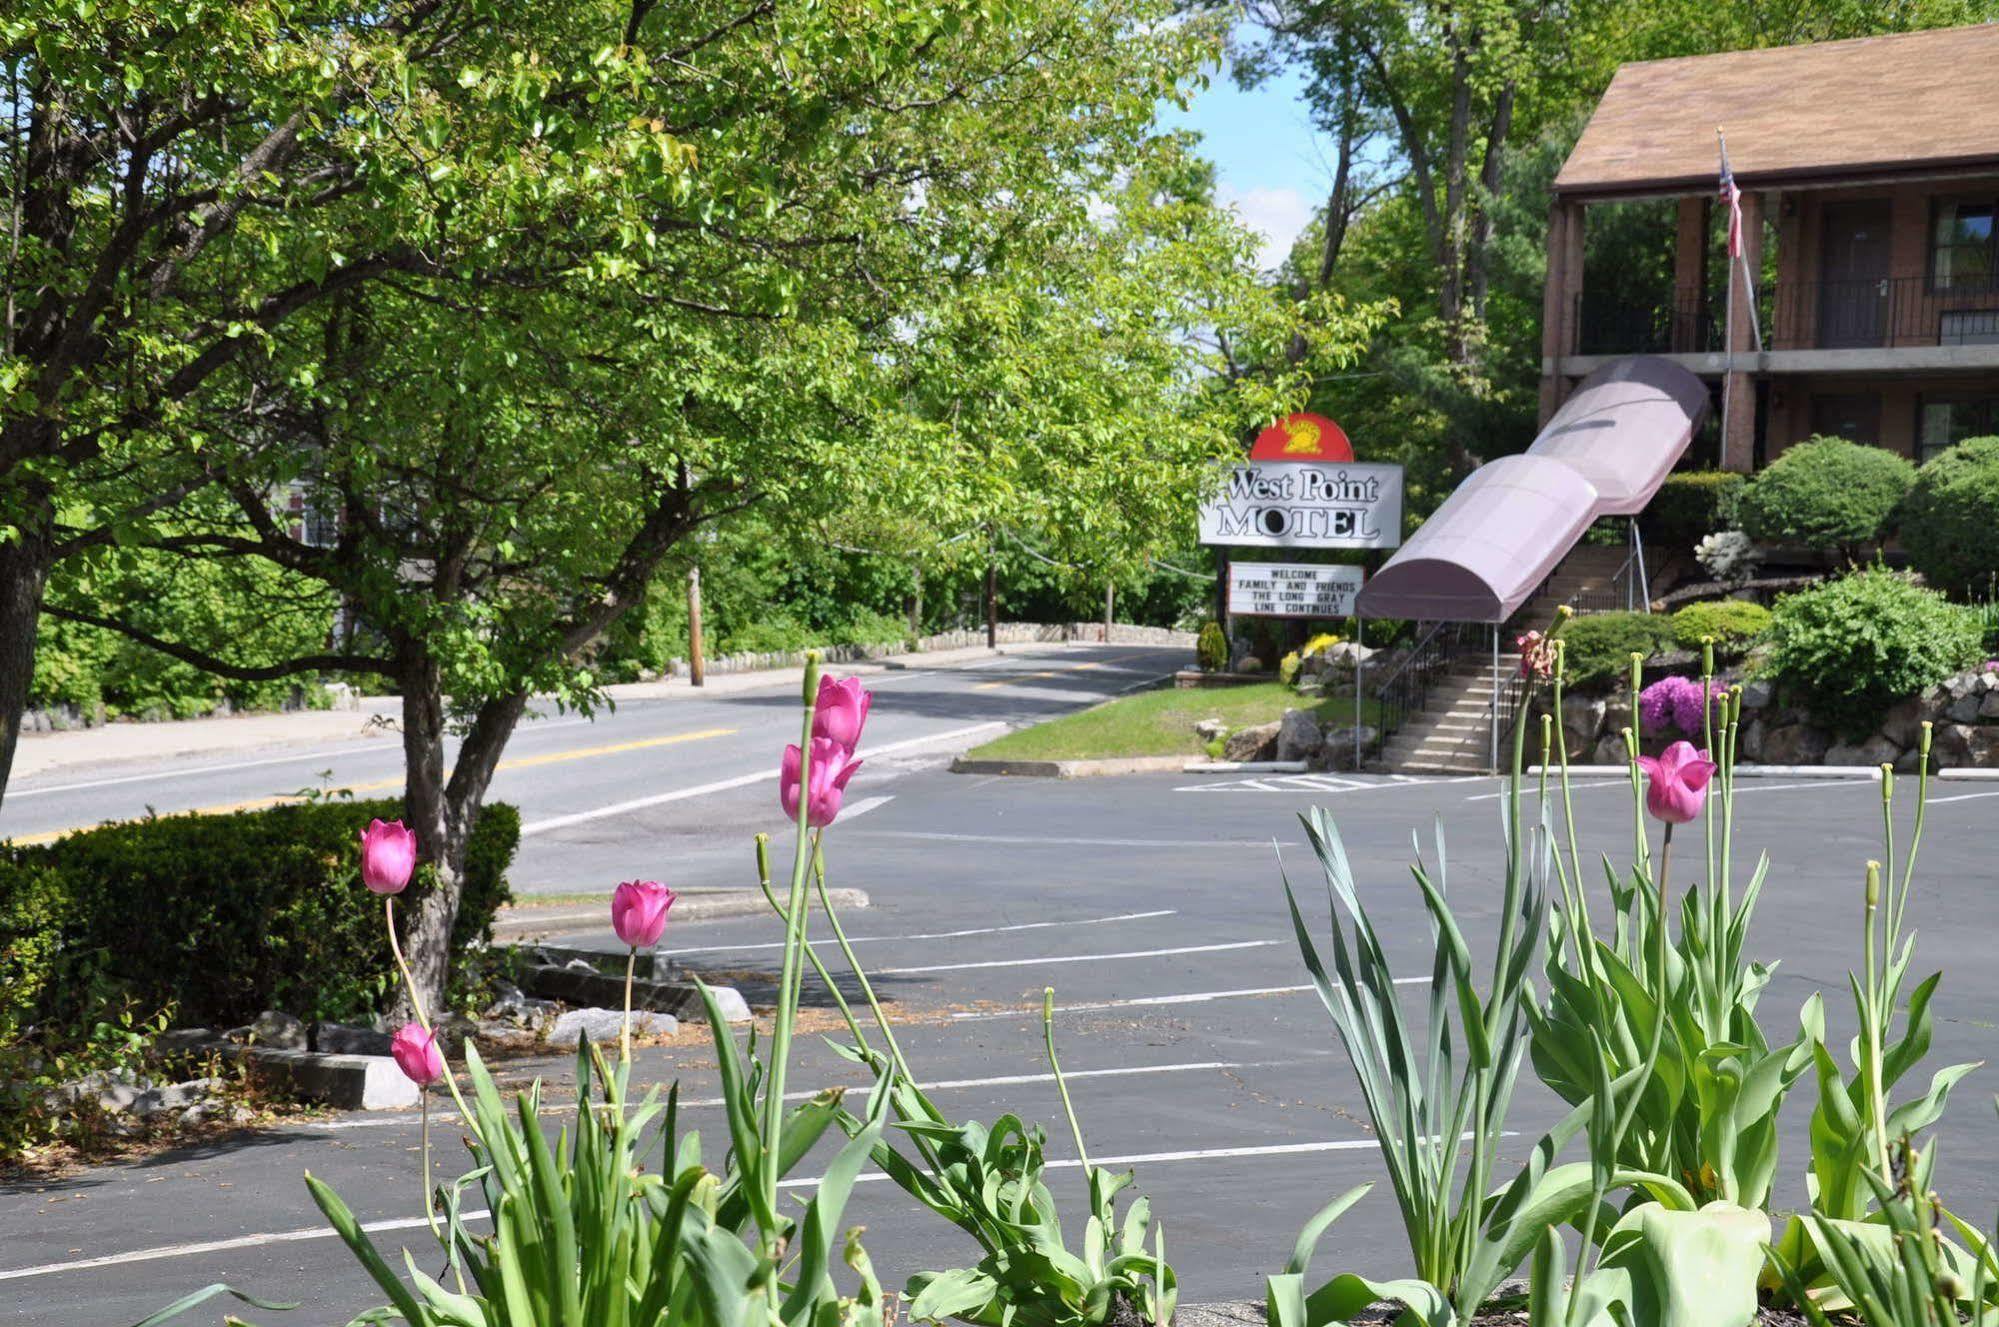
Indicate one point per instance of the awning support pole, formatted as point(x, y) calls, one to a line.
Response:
point(1495, 697)
point(1359, 691)
point(1638, 550)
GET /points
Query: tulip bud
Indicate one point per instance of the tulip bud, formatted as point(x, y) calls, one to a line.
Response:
point(1873, 885)
point(811, 688)
point(638, 912)
point(414, 1049)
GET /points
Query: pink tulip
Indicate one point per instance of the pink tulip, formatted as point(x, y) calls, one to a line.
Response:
point(388, 855)
point(416, 1054)
point(1676, 782)
point(831, 768)
point(840, 711)
point(638, 912)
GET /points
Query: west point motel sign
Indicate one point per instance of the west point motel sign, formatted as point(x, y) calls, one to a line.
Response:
point(1301, 488)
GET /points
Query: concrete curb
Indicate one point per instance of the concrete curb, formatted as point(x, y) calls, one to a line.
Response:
point(1071, 769)
point(1246, 767)
point(349, 1082)
point(703, 906)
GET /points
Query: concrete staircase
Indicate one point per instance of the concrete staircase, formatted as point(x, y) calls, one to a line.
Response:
point(1453, 732)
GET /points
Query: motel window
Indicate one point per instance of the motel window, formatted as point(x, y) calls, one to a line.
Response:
point(1945, 421)
point(1962, 237)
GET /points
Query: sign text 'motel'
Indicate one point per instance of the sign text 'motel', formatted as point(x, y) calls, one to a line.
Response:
point(1286, 504)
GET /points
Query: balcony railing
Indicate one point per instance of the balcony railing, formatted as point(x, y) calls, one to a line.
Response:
point(1681, 324)
point(1886, 312)
point(1810, 315)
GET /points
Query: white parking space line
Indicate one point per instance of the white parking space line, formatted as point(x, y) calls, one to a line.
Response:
point(1159, 1158)
point(1963, 797)
point(1075, 958)
point(1031, 840)
point(740, 781)
point(865, 805)
point(1190, 997)
point(931, 935)
point(385, 1120)
point(1740, 788)
point(481, 1214)
point(1318, 783)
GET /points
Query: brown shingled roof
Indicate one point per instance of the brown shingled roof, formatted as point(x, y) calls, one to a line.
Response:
point(1841, 108)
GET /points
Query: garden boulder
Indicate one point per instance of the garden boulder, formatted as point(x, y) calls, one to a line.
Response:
point(1298, 736)
point(1255, 743)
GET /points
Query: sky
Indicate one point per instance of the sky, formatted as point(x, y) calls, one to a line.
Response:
point(1270, 165)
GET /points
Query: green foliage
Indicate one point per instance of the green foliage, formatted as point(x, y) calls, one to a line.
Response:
point(1660, 1267)
point(1851, 647)
point(1950, 520)
point(1211, 648)
point(1600, 645)
point(1734, 625)
point(1827, 494)
point(1690, 504)
point(220, 917)
point(249, 611)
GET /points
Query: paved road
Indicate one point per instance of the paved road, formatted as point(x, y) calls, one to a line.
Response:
point(585, 783)
point(1151, 904)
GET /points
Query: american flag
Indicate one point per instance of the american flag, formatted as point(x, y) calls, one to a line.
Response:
point(1731, 196)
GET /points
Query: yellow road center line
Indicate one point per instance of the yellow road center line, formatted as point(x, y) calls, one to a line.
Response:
point(383, 785)
point(1010, 681)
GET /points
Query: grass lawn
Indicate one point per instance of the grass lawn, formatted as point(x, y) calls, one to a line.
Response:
point(1157, 723)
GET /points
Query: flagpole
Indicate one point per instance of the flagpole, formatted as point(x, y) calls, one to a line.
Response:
point(1728, 324)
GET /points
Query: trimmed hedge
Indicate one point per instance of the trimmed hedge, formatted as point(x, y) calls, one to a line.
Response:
point(1950, 520)
point(1690, 505)
point(1599, 645)
point(1735, 624)
point(1854, 646)
point(221, 917)
point(1827, 494)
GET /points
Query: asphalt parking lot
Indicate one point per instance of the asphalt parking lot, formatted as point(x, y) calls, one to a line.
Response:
point(1197, 1055)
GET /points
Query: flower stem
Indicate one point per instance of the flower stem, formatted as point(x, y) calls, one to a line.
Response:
point(409, 982)
point(1048, 1036)
point(625, 1032)
point(429, 1206)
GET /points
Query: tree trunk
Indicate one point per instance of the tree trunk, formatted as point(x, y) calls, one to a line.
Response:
point(25, 560)
point(992, 605)
point(440, 838)
point(1478, 270)
point(443, 811)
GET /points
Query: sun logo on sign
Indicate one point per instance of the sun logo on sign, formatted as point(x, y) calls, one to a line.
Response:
point(1301, 436)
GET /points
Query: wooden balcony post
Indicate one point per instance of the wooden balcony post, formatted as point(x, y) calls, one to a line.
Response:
point(1561, 294)
point(1690, 274)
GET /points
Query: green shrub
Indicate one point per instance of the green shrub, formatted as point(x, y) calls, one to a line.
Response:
point(1950, 520)
point(1599, 645)
point(1735, 625)
point(221, 917)
point(1690, 504)
point(1850, 648)
point(1827, 494)
point(1211, 648)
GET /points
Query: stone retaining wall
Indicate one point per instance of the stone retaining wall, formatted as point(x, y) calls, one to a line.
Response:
point(1963, 710)
point(1010, 633)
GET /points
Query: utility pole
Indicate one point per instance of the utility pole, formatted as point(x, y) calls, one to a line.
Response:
point(1110, 601)
point(992, 603)
point(697, 667)
point(916, 607)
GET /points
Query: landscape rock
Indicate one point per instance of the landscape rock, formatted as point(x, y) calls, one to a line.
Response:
point(524, 1010)
point(183, 1041)
point(1902, 721)
point(348, 1039)
point(1298, 736)
point(1610, 750)
point(1336, 751)
point(1749, 742)
point(194, 1093)
point(1963, 708)
point(731, 1004)
point(1757, 694)
point(1795, 744)
point(1209, 729)
point(1255, 743)
point(274, 1029)
point(604, 1026)
point(1876, 750)
point(1988, 708)
point(1963, 744)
